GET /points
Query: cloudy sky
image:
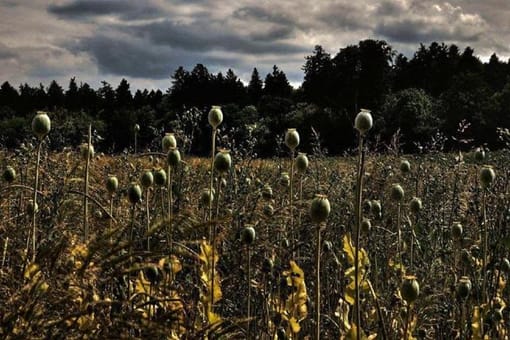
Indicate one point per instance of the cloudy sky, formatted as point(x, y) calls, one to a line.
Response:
point(145, 41)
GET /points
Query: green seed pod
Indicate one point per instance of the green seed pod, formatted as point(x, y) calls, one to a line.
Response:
point(405, 166)
point(30, 207)
point(160, 177)
point(268, 210)
point(367, 206)
point(376, 208)
point(466, 257)
point(222, 161)
point(153, 274)
point(247, 181)
point(415, 205)
point(292, 139)
point(168, 142)
point(267, 192)
point(320, 209)
point(147, 179)
point(41, 125)
point(86, 152)
point(457, 230)
point(112, 184)
point(363, 121)
point(285, 179)
point(497, 315)
point(206, 197)
point(301, 163)
point(410, 289)
point(9, 174)
point(327, 246)
point(397, 193)
point(215, 116)
point(136, 128)
point(267, 265)
point(487, 176)
point(248, 235)
point(98, 214)
point(464, 287)
point(479, 155)
point(365, 226)
point(173, 157)
point(505, 265)
point(134, 193)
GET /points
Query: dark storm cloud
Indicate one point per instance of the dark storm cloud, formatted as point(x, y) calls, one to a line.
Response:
point(262, 15)
point(411, 31)
point(201, 37)
point(346, 16)
point(138, 58)
point(127, 9)
point(6, 52)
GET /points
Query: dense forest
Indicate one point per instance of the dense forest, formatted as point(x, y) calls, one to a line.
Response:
point(441, 97)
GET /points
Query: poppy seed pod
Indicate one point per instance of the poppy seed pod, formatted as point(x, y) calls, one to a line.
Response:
point(267, 192)
point(9, 174)
point(215, 116)
point(327, 246)
point(479, 155)
point(410, 289)
point(136, 128)
point(160, 177)
point(248, 235)
point(168, 142)
point(134, 193)
point(487, 176)
point(397, 193)
point(457, 230)
point(405, 166)
point(301, 163)
point(173, 157)
point(365, 225)
point(112, 184)
point(320, 209)
point(267, 265)
point(41, 124)
point(206, 197)
point(415, 205)
point(268, 210)
point(505, 265)
point(363, 121)
point(153, 274)
point(367, 206)
point(464, 287)
point(376, 207)
point(86, 151)
point(222, 161)
point(147, 179)
point(284, 179)
point(30, 207)
point(292, 139)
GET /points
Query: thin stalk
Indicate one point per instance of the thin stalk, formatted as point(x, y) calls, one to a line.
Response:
point(318, 283)
point(170, 210)
point(6, 243)
point(136, 141)
point(148, 217)
point(406, 327)
point(213, 147)
point(249, 291)
point(359, 191)
point(213, 251)
point(484, 258)
point(86, 189)
point(36, 184)
point(399, 232)
point(110, 220)
point(291, 199)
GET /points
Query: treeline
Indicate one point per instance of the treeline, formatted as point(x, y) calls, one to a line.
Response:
point(439, 91)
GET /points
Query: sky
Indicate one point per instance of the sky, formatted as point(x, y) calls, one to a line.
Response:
point(146, 41)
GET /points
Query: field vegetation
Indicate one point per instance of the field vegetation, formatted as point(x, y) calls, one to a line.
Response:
point(163, 245)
